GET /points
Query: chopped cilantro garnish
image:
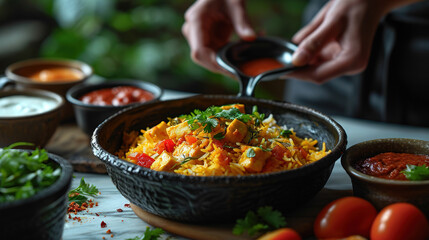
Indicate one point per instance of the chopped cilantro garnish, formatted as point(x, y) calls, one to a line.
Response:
point(416, 173)
point(285, 133)
point(208, 117)
point(263, 220)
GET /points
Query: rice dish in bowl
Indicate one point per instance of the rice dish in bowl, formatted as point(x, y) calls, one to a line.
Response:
point(220, 141)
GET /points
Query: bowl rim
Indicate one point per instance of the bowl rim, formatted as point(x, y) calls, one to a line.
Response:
point(126, 166)
point(78, 90)
point(37, 93)
point(355, 174)
point(85, 68)
point(63, 181)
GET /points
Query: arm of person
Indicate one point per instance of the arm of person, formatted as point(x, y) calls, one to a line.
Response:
point(338, 40)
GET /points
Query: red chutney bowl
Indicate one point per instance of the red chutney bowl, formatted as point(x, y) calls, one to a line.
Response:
point(90, 114)
point(381, 191)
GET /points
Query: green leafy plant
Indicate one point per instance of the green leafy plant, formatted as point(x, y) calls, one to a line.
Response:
point(265, 219)
point(82, 193)
point(23, 174)
point(416, 173)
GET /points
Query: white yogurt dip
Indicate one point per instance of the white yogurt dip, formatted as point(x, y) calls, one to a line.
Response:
point(22, 105)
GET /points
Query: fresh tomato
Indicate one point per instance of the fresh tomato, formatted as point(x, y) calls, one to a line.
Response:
point(345, 217)
point(167, 145)
point(143, 159)
point(281, 234)
point(400, 221)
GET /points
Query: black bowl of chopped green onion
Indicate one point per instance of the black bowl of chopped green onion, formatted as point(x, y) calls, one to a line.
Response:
point(34, 187)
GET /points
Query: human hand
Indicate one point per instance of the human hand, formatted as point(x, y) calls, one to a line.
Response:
point(210, 24)
point(338, 40)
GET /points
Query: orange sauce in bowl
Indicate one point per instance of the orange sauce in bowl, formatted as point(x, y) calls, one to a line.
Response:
point(257, 66)
point(56, 74)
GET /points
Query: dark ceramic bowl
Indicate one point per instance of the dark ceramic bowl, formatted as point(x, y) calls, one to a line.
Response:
point(89, 116)
point(33, 128)
point(17, 72)
point(382, 192)
point(216, 198)
point(41, 216)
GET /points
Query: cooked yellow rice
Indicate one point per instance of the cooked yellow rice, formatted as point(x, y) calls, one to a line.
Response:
point(235, 146)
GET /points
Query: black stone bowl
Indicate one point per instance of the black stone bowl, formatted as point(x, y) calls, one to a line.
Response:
point(41, 216)
point(89, 116)
point(216, 198)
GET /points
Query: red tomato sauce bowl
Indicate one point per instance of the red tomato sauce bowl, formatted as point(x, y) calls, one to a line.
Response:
point(382, 191)
point(93, 103)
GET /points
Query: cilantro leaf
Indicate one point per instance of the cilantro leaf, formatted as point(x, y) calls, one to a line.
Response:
point(149, 234)
point(416, 173)
point(81, 194)
point(285, 133)
point(274, 218)
point(263, 220)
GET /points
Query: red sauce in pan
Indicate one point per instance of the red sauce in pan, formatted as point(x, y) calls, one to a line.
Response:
point(117, 96)
point(389, 165)
point(257, 66)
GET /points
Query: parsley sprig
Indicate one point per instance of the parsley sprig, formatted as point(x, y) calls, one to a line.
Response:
point(149, 234)
point(263, 220)
point(416, 173)
point(81, 194)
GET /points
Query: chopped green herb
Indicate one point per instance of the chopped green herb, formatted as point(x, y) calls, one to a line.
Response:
point(285, 133)
point(250, 153)
point(149, 234)
point(259, 117)
point(208, 117)
point(81, 194)
point(263, 220)
point(416, 173)
point(23, 174)
point(219, 136)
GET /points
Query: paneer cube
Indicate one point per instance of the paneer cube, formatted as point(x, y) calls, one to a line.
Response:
point(236, 131)
point(239, 106)
point(255, 163)
point(165, 162)
point(193, 151)
point(157, 133)
point(179, 130)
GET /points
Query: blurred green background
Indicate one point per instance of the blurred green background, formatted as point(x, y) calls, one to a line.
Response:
point(137, 39)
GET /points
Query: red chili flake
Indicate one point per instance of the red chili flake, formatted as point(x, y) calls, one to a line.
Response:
point(104, 238)
point(108, 231)
point(69, 216)
point(103, 224)
point(111, 235)
point(97, 214)
point(127, 205)
point(119, 210)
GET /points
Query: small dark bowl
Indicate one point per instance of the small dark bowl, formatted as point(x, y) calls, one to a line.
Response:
point(382, 192)
point(41, 216)
point(33, 128)
point(216, 198)
point(89, 116)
